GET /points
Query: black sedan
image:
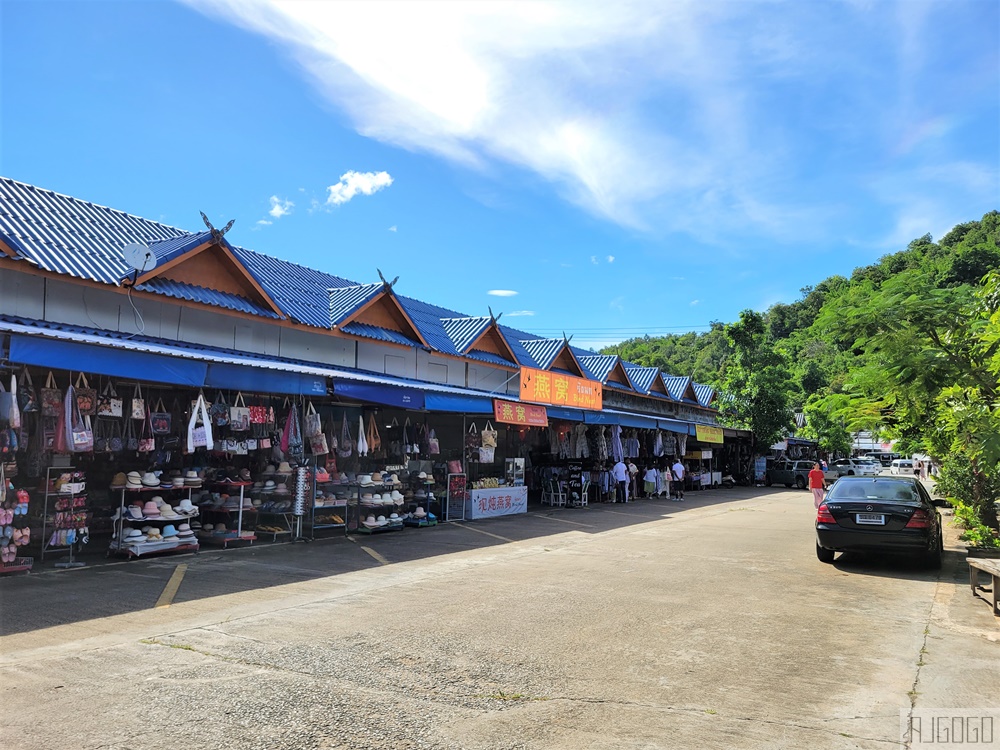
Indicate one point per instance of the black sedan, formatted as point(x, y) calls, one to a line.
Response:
point(892, 515)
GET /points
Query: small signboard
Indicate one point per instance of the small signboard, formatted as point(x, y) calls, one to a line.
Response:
point(458, 493)
point(525, 415)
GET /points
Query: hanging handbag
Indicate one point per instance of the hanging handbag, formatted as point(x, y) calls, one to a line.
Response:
point(109, 405)
point(291, 437)
point(147, 443)
point(362, 440)
point(138, 404)
point(239, 415)
point(433, 445)
point(219, 411)
point(489, 435)
point(79, 433)
point(8, 403)
point(373, 438)
point(130, 441)
point(116, 443)
point(258, 414)
point(27, 399)
point(473, 438)
point(410, 438)
point(86, 397)
point(454, 467)
point(318, 446)
point(346, 443)
point(52, 397)
point(200, 435)
point(100, 438)
point(486, 454)
point(312, 425)
point(160, 420)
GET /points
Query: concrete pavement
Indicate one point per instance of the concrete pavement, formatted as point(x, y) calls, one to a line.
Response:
point(707, 624)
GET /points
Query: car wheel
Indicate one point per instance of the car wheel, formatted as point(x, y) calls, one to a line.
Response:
point(933, 559)
point(850, 473)
point(800, 483)
point(824, 555)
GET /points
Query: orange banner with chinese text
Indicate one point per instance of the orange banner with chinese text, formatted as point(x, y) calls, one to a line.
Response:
point(526, 415)
point(557, 389)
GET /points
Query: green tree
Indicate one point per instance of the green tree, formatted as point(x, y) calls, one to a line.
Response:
point(757, 381)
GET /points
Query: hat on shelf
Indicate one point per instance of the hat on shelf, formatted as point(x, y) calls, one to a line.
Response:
point(134, 513)
point(133, 480)
point(151, 510)
point(419, 512)
point(191, 479)
point(395, 517)
point(397, 496)
point(153, 535)
point(184, 531)
point(208, 527)
point(370, 522)
point(366, 497)
point(381, 521)
point(196, 525)
point(268, 471)
point(394, 481)
point(149, 479)
point(269, 485)
point(134, 535)
point(365, 480)
point(282, 489)
point(376, 498)
point(422, 475)
point(244, 475)
point(186, 507)
point(177, 482)
point(322, 475)
point(377, 477)
point(284, 468)
point(169, 532)
point(168, 512)
point(119, 481)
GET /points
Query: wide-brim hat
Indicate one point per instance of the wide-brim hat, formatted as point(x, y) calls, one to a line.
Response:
point(381, 521)
point(149, 479)
point(377, 477)
point(366, 497)
point(365, 480)
point(397, 496)
point(150, 509)
point(422, 475)
point(370, 522)
point(284, 468)
point(185, 506)
point(167, 511)
point(394, 480)
point(282, 489)
point(120, 480)
point(419, 512)
point(134, 513)
point(394, 517)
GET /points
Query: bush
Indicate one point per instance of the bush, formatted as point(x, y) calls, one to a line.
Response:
point(976, 533)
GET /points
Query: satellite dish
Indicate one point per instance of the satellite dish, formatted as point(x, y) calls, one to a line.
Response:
point(139, 257)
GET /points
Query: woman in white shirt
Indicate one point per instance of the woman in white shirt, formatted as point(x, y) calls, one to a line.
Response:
point(649, 481)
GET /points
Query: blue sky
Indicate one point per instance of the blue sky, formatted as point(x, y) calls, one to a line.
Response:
point(625, 168)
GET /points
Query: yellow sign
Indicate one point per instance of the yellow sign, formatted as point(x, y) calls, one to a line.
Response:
point(541, 387)
point(705, 434)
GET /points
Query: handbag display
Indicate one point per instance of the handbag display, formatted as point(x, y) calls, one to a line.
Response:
point(239, 415)
point(433, 445)
point(199, 436)
point(116, 443)
point(312, 425)
point(362, 440)
point(52, 397)
point(489, 436)
point(219, 411)
point(473, 438)
point(86, 397)
point(258, 414)
point(318, 446)
point(160, 420)
point(138, 404)
point(486, 454)
point(109, 405)
point(79, 433)
point(147, 443)
point(130, 441)
point(346, 443)
point(8, 406)
point(455, 467)
point(291, 435)
point(373, 439)
point(27, 399)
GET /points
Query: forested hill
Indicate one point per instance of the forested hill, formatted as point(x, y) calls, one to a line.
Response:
point(818, 333)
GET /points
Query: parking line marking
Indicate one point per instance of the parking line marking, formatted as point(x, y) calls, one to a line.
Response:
point(376, 555)
point(170, 590)
point(563, 520)
point(480, 531)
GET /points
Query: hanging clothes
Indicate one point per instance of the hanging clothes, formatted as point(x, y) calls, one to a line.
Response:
point(658, 445)
point(617, 450)
point(581, 449)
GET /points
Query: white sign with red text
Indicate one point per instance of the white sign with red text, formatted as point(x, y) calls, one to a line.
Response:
point(502, 501)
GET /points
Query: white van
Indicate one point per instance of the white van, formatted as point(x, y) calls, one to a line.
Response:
point(901, 466)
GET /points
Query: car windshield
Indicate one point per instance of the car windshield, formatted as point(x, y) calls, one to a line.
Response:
point(874, 489)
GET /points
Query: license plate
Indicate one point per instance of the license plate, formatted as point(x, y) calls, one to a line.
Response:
point(871, 519)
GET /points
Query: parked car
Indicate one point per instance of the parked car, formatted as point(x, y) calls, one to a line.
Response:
point(892, 515)
point(901, 466)
point(789, 473)
point(850, 467)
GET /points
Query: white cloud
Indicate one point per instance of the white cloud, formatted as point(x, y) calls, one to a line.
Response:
point(611, 259)
point(502, 292)
point(393, 228)
point(357, 183)
point(574, 91)
point(593, 259)
point(280, 207)
point(264, 222)
point(520, 313)
point(695, 302)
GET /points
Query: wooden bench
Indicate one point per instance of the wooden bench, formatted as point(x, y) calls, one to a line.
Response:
point(991, 568)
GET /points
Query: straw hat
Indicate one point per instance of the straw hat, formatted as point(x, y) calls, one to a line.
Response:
point(119, 481)
point(133, 480)
point(284, 468)
point(377, 477)
point(168, 512)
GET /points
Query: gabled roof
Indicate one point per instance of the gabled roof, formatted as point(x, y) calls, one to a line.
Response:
point(607, 368)
point(373, 311)
point(550, 354)
point(705, 394)
point(464, 331)
point(680, 388)
point(646, 380)
point(167, 250)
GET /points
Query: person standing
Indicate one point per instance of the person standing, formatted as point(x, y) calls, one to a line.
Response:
point(817, 483)
point(620, 473)
point(633, 472)
point(678, 472)
point(649, 481)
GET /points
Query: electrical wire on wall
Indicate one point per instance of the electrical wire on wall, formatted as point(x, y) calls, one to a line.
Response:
point(140, 324)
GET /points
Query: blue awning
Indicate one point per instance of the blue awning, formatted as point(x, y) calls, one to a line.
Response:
point(600, 417)
point(673, 426)
point(561, 412)
point(628, 419)
point(265, 380)
point(460, 404)
point(406, 398)
point(103, 360)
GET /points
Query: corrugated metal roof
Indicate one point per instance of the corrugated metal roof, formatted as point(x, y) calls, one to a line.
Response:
point(166, 250)
point(676, 385)
point(543, 351)
point(599, 365)
point(489, 358)
point(378, 334)
point(347, 300)
point(642, 377)
point(704, 393)
point(180, 290)
point(463, 331)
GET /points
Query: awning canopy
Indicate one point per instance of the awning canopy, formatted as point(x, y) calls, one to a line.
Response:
point(265, 380)
point(379, 393)
point(673, 425)
point(459, 404)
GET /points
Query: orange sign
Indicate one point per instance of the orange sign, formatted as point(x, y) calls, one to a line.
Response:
point(560, 390)
point(526, 415)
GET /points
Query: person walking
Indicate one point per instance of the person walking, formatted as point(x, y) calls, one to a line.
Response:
point(817, 483)
point(620, 473)
point(678, 472)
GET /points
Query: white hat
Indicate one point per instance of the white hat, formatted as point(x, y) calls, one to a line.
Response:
point(397, 496)
point(365, 480)
point(149, 479)
point(419, 512)
point(186, 507)
point(394, 480)
point(167, 512)
point(394, 517)
point(133, 480)
point(422, 475)
point(370, 522)
point(381, 521)
point(377, 498)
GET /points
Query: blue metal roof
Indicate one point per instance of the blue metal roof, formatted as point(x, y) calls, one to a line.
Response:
point(642, 377)
point(180, 290)
point(704, 393)
point(543, 352)
point(489, 358)
point(166, 250)
point(347, 300)
point(378, 334)
point(301, 293)
point(599, 365)
point(677, 385)
point(464, 331)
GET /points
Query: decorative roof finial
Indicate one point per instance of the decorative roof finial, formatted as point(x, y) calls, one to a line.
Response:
point(217, 234)
point(387, 284)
